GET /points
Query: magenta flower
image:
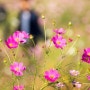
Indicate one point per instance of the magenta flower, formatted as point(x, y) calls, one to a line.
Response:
point(59, 41)
point(17, 38)
point(59, 31)
point(74, 72)
point(88, 77)
point(20, 37)
point(86, 55)
point(52, 75)
point(17, 68)
point(11, 43)
point(21, 87)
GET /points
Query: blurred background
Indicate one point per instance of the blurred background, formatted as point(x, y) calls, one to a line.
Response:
point(59, 12)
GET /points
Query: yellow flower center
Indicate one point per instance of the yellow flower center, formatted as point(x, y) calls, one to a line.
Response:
point(31, 36)
point(89, 54)
point(17, 69)
point(58, 42)
point(10, 44)
point(52, 76)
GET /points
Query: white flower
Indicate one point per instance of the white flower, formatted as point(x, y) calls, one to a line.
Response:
point(59, 85)
point(78, 85)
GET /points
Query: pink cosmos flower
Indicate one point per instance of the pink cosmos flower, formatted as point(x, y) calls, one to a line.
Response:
point(59, 31)
point(17, 68)
point(26, 35)
point(88, 77)
point(86, 55)
point(52, 75)
point(21, 87)
point(17, 38)
point(11, 43)
point(59, 41)
point(20, 37)
point(74, 72)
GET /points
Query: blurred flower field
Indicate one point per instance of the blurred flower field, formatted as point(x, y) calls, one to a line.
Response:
point(61, 62)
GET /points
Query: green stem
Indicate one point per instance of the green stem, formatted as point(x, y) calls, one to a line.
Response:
point(34, 79)
point(72, 46)
point(13, 80)
point(66, 86)
point(16, 53)
point(6, 53)
point(44, 87)
point(18, 81)
point(26, 52)
point(35, 68)
point(33, 42)
point(45, 32)
point(12, 55)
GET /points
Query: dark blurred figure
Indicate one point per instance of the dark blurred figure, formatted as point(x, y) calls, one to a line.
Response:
point(3, 13)
point(4, 24)
point(29, 21)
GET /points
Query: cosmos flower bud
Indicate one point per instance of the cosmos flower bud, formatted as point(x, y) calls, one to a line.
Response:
point(43, 17)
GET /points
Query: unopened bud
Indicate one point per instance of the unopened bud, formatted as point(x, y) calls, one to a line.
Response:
point(54, 23)
point(78, 36)
point(70, 24)
point(5, 61)
point(0, 40)
point(31, 36)
point(43, 17)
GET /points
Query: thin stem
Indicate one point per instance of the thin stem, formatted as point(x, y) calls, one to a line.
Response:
point(12, 54)
point(44, 87)
point(66, 86)
point(18, 81)
point(34, 79)
point(6, 53)
point(13, 81)
point(16, 52)
point(25, 50)
point(45, 31)
point(33, 42)
point(35, 68)
point(72, 45)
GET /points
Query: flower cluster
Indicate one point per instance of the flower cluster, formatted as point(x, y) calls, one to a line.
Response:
point(18, 37)
point(54, 77)
point(58, 39)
